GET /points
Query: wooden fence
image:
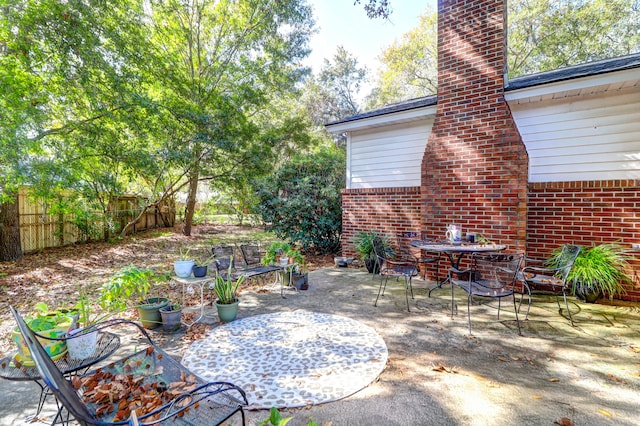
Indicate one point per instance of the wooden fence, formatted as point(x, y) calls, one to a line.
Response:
point(39, 229)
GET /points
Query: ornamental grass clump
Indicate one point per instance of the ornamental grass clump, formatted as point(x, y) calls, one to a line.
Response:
point(601, 268)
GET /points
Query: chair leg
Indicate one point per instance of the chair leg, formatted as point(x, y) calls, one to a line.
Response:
point(515, 309)
point(564, 295)
point(469, 312)
point(499, 300)
point(380, 289)
point(524, 285)
point(411, 288)
point(407, 283)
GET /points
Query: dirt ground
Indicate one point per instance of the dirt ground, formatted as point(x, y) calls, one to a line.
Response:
point(54, 275)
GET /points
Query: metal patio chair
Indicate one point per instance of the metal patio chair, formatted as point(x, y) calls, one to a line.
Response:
point(490, 275)
point(394, 267)
point(251, 254)
point(125, 390)
point(223, 259)
point(408, 250)
point(538, 278)
point(254, 268)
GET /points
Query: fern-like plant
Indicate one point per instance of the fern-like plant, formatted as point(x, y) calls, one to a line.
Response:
point(601, 268)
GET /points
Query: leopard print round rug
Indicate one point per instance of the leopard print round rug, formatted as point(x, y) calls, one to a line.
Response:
point(290, 359)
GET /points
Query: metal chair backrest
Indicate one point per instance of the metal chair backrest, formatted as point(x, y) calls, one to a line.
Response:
point(251, 254)
point(566, 259)
point(223, 258)
point(496, 270)
point(379, 250)
point(52, 376)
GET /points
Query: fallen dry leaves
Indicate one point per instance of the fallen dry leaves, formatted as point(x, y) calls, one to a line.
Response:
point(442, 369)
point(54, 275)
point(564, 421)
point(122, 393)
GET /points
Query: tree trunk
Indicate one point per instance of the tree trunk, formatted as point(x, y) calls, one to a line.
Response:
point(191, 201)
point(10, 247)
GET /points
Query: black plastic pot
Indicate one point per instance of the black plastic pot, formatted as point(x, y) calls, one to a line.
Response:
point(587, 294)
point(199, 271)
point(301, 281)
point(372, 266)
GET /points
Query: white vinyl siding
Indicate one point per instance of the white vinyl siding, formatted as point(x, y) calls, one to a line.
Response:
point(385, 157)
point(577, 138)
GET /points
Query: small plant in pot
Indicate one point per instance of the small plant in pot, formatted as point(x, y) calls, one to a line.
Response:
point(82, 339)
point(363, 244)
point(226, 288)
point(184, 265)
point(130, 287)
point(202, 264)
point(597, 271)
point(274, 252)
point(51, 324)
point(300, 275)
point(171, 317)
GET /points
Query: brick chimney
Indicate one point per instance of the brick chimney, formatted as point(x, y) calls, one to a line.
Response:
point(475, 167)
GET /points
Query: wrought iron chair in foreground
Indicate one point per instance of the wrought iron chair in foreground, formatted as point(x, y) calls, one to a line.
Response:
point(148, 385)
point(392, 267)
point(537, 277)
point(490, 275)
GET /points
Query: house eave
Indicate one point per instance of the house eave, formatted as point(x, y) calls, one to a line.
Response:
point(383, 119)
point(575, 86)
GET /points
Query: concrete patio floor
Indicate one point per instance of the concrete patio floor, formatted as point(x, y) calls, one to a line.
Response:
point(439, 375)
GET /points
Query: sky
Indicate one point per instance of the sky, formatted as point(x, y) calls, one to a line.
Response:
point(341, 23)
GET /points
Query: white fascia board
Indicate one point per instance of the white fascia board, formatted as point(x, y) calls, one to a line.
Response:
point(383, 120)
point(573, 84)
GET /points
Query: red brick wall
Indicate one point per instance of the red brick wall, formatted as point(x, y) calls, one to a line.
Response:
point(475, 167)
point(386, 211)
point(585, 213)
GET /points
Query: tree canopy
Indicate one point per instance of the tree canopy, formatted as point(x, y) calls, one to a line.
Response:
point(542, 35)
point(147, 96)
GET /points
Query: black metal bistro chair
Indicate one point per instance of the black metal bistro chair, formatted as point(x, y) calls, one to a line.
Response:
point(394, 267)
point(537, 277)
point(490, 275)
point(407, 248)
point(125, 390)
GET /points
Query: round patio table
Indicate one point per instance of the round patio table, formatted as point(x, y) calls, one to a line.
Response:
point(455, 252)
point(108, 343)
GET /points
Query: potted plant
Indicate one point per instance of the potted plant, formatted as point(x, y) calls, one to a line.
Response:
point(50, 324)
point(184, 265)
point(81, 338)
point(201, 265)
point(171, 317)
point(300, 275)
point(596, 271)
point(130, 286)
point(274, 252)
point(363, 244)
point(226, 288)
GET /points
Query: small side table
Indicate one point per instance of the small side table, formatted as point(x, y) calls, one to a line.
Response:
point(188, 286)
point(108, 343)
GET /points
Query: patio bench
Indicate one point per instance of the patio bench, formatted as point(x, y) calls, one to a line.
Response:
point(145, 387)
point(252, 257)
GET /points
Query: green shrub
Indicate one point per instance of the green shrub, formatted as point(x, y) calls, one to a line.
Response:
point(301, 201)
